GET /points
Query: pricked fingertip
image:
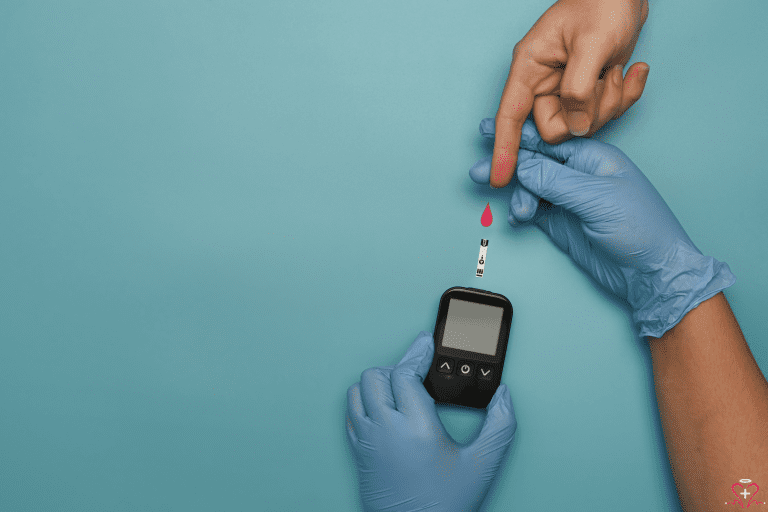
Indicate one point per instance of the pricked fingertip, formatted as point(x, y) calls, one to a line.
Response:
point(501, 172)
point(502, 179)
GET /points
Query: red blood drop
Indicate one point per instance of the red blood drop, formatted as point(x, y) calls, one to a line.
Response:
point(487, 217)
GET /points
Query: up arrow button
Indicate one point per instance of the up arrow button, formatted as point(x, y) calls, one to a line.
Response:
point(445, 365)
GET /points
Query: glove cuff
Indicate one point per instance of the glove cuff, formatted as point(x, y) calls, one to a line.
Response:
point(663, 297)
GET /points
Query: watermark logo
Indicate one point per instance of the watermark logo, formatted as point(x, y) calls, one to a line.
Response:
point(746, 489)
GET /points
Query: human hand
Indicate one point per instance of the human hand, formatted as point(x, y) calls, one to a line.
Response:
point(607, 216)
point(405, 458)
point(568, 70)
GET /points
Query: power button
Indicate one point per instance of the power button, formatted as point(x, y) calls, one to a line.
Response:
point(466, 369)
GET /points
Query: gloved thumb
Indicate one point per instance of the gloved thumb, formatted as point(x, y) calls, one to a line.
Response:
point(411, 397)
point(497, 433)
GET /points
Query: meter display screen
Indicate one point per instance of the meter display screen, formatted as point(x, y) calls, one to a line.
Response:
point(472, 327)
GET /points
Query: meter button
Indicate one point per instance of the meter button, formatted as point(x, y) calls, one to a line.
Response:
point(485, 372)
point(465, 369)
point(445, 365)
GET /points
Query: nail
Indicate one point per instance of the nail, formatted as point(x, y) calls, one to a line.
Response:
point(644, 73)
point(578, 123)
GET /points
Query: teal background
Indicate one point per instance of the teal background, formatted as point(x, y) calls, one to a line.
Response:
point(214, 215)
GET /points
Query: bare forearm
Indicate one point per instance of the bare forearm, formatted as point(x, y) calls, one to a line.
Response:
point(713, 402)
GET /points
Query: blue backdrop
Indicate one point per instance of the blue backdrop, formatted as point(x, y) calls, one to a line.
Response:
point(215, 214)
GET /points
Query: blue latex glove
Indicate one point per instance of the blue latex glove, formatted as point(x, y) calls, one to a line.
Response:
point(405, 458)
point(608, 217)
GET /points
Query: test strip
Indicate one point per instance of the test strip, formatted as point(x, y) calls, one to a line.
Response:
point(481, 259)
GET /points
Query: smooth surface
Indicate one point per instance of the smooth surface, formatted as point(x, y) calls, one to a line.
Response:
point(215, 215)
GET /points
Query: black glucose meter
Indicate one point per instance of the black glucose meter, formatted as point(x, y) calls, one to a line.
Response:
point(471, 335)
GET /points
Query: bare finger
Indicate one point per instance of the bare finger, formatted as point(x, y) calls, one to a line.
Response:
point(634, 84)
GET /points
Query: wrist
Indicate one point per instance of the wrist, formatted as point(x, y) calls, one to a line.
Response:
point(661, 297)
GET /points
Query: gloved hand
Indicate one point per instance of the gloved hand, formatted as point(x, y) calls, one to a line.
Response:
point(405, 458)
point(608, 217)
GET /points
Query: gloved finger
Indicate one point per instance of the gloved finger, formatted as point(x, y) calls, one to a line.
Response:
point(581, 193)
point(355, 417)
point(481, 172)
point(522, 205)
point(496, 434)
point(408, 376)
point(376, 393)
point(488, 128)
point(578, 92)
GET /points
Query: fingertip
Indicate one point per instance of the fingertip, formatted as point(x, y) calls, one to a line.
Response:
point(511, 219)
point(421, 344)
point(502, 402)
point(637, 72)
point(578, 122)
point(634, 85)
point(500, 179)
point(502, 168)
point(355, 409)
point(351, 390)
point(427, 341)
point(522, 204)
point(488, 127)
point(481, 172)
point(418, 357)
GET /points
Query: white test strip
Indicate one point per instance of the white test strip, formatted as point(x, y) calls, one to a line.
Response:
point(481, 259)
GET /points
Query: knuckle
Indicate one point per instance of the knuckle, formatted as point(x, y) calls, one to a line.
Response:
point(581, 92)
point(553, 133)
point(368, 374)
point(521, 50)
